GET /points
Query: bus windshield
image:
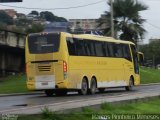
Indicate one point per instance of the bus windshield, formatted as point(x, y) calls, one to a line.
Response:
point(43, 43)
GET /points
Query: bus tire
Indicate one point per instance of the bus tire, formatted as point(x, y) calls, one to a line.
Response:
point(101, 90)
point(93, 86)
point(49, 93)
point(84, 87)
point(60, 92)
point(131, 85)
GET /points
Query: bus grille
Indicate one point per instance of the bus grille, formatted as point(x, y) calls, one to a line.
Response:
point(44, 68)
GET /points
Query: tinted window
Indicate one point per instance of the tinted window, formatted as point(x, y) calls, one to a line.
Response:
point(106, 49)
point(80, 48)
point(110, 47)
point(135, 59)
point(126, 52)
point(117, 48)
point(99, 49)
point(89, 47)
point(71, 46)
point(47, 43)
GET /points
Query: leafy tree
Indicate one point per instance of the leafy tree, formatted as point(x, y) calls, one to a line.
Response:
point(34, 13)
point(23, 22)
point(49, 16)
point(127, 20)
point(5, 18)
point(152, 51)
point(18, 29)
point(35, 28)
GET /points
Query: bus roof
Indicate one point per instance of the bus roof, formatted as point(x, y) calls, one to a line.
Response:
point(97, 37)
point(90, 37)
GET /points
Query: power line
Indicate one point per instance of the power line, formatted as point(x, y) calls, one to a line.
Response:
point(153, 25)
point(64, 8)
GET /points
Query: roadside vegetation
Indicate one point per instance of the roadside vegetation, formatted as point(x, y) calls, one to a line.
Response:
point(149, 75)
point(13, 84)
point(145, 107)
point(17, 83)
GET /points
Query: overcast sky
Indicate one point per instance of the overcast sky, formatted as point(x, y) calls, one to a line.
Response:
point(152, 15)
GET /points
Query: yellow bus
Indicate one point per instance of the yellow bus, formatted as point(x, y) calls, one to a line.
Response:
point(62, 62)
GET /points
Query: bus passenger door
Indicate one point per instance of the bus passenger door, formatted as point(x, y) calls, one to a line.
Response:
point(128, 66)
point(136, 65)
point(135, 59)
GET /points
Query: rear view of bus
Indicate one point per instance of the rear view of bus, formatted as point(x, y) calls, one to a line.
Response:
point(46, 62)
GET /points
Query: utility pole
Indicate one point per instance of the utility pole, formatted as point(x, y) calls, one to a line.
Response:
point(112, 22)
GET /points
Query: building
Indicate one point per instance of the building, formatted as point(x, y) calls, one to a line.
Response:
point(154, 40)
point(11, 52)
point(11, 12)
point(85, 25)
point(21, 16)
point(56, 27)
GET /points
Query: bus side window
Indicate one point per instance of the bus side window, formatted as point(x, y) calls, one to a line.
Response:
point(99, 49)
point(110, 46)
point(87, 48)
point(71, 46)
point(91, 47)
point(80, 47)
point(119, 52)
point(126, 52)
point(106, 49)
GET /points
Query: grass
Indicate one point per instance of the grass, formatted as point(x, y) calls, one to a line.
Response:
point(13, 84)
point(149, 75)
point(148, 107)
point(17, 83)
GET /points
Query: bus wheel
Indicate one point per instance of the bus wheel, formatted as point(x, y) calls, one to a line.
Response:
point(93, 86)
point(49, 93)
point(61, 92)
point(131, 85)
point(84, 87)
point(101, 90)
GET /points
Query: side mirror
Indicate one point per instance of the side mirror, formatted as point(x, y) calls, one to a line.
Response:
point(140, 58)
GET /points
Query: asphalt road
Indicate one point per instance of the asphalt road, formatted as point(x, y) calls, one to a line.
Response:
point(22, 101)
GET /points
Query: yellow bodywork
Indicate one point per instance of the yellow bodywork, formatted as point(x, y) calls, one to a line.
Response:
point(108, 71)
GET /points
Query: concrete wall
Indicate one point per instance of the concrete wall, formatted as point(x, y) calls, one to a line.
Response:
point(11, 52)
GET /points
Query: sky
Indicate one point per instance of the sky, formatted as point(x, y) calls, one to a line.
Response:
point(152, 15)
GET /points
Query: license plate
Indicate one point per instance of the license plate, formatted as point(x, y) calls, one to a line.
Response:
point(44, 83)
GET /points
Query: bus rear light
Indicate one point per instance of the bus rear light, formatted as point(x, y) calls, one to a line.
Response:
point(64, 66)
point(64, 69)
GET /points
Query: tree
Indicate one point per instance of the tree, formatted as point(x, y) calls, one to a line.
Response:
point(127, 21)
point(152, 51)
point(23, 22)
point(35, 28)
point(34, 13)
point(49, 16)
point(5, 18)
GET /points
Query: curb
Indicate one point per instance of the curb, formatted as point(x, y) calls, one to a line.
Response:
point(98, 106)
point(19, 94)
point(149, 84)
